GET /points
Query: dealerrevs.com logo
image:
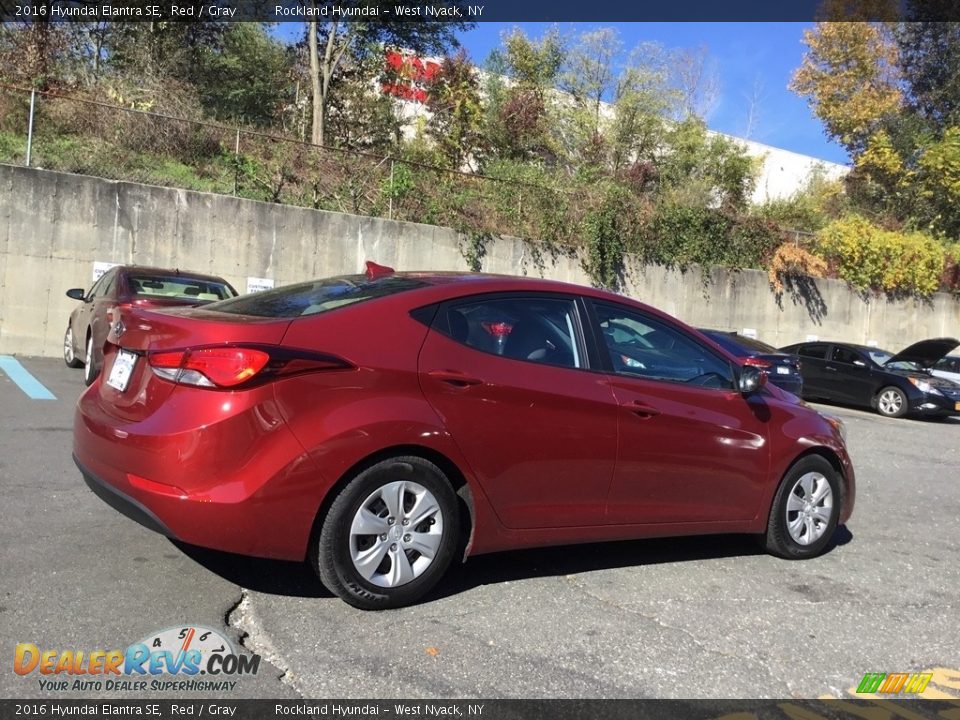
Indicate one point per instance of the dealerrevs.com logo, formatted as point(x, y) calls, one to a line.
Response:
point(179, 659)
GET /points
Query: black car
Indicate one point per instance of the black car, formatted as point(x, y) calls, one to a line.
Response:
point(783, 369)
point(892, 384)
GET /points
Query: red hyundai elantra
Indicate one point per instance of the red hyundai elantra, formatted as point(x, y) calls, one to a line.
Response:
point(382, 424)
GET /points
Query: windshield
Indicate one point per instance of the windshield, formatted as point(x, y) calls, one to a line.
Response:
point(314, 297)
point(882, 357)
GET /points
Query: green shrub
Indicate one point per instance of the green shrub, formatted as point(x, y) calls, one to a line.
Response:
point(683, 235)
point(870, 258)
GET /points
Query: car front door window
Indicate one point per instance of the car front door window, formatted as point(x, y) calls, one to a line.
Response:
point(643, 346)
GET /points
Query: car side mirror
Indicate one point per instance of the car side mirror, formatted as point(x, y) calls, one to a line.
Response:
point(751, 379)
point(76, 294)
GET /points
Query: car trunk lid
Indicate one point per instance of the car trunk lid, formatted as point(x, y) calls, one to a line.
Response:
point(140, 332)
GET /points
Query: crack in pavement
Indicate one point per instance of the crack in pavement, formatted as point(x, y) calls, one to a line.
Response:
point(242, 618)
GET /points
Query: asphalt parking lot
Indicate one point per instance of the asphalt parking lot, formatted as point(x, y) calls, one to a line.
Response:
point(688, 618)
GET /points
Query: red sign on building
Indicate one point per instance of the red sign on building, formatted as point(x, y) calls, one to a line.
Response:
point(407, 76)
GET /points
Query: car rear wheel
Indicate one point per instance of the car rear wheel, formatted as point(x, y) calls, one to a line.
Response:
point(90, 370)
point(69, 353)
point(891, 402)
point(805, 510)
point(389, 535)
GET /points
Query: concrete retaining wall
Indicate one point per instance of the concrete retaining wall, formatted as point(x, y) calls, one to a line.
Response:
point(54, 226)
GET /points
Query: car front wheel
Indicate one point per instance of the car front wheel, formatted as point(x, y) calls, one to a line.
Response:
point(805, 511)
point(389, 534)
point(892, 402)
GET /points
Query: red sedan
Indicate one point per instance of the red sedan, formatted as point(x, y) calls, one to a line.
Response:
point(382, 424)
point(126, 286)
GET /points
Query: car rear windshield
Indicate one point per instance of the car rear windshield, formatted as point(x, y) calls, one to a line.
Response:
point(318, 296)
point(738, 344)
point(176, 287)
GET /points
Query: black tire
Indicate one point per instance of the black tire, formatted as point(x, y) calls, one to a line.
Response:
point(779, 540)
point(70, 349)
point(90, 368)
point(896, 407)
point(332, 553)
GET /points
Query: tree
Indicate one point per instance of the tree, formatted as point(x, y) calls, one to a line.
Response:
point(521, 78)
point(331, 41)
point(456, 122)
point(850, 77)
point(929, 57)
point(643, 99)
point(696, 80)
point(589, 78)
point(248, 78)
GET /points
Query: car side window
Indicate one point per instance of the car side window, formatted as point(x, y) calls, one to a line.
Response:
point(643, 346)
point(109, 284)
point(846, 355)
point(948, 365)
point(818, 352)
point(532, 329)
point(98, 287)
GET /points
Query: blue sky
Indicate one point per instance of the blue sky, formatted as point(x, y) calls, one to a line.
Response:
point(751, 59)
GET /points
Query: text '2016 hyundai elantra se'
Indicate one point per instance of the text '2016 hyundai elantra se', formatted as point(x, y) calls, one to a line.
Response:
point(381, 424)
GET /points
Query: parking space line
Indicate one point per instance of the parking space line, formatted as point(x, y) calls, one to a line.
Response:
point(33, 388)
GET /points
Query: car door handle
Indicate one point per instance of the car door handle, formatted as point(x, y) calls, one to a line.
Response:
point(641, 409)
point(454, 378)
point(831, 369)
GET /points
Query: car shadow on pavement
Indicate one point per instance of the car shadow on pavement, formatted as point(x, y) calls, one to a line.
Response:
point(570, 560)
point(271, 577)
point(297, 579)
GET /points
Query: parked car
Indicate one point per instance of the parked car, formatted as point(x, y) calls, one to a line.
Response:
point(380, 425)
point(948, 368)
point(892, 384)
point(783, 369)
point(126, 286)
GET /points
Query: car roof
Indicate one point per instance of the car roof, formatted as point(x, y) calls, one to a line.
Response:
point(857, 346)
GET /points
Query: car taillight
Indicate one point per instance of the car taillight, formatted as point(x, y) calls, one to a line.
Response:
point(231, 367)
point(209, 367)
point(758, 362)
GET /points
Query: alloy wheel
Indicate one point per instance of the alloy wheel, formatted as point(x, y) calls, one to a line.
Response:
point(890, 402)
point(809, 508)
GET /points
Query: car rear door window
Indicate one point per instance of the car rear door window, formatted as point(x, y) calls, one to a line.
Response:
point(643, 346)
point(818, 352)
point(532, 329)
point(846, 355)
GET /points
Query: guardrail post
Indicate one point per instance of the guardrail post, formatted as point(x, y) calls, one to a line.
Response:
point(390, 198)
point(33, 104)
point(236, 164)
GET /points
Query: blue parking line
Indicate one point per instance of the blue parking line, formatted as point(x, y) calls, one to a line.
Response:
point(24, 380)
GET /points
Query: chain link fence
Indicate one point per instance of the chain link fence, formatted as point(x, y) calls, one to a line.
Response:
point(90, 137)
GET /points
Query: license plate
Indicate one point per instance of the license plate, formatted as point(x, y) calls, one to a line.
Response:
point(783, 370)
point(122, 369)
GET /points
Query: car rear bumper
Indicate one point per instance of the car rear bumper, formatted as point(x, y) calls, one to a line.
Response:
point(123, 504)
point(241, 485)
